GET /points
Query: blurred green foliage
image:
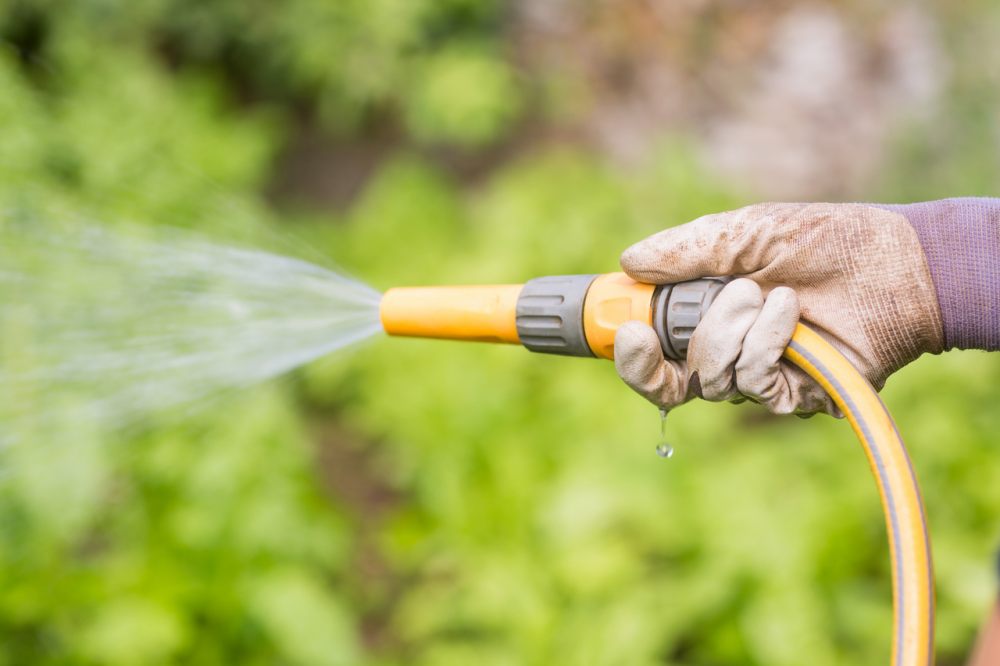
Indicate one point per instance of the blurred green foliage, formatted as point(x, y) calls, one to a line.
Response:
point(486, 505)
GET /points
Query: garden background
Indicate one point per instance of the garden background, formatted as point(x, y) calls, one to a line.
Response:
point(415, 502)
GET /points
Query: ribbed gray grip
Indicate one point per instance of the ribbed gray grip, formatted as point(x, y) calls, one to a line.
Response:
point(550, 314)
point(677, 310)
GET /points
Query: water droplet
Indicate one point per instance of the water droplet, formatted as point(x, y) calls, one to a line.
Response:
point(664, 449)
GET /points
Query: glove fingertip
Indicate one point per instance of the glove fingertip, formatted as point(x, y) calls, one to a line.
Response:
point(637, 354)
point(743, 292)
point(785, 300)
point(640, 363)
point(640, 263)
point(636, 342)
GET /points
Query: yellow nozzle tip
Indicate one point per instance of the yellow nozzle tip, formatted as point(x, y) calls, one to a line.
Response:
point(482, 313)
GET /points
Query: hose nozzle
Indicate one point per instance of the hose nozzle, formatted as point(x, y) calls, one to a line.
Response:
point(572, 315)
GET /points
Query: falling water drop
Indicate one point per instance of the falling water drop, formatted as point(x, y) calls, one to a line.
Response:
point(664, 449)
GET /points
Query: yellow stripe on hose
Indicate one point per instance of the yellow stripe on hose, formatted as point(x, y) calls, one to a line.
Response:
point(909, 541)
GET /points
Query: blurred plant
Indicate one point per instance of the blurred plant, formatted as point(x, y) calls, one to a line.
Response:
point(347, 61)
point(463, 96)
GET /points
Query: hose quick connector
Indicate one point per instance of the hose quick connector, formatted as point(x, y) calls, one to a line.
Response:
point(677, 310)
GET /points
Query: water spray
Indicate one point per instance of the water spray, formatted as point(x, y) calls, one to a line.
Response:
point(578, 315)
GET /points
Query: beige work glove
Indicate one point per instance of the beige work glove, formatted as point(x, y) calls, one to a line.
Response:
point(855, 273)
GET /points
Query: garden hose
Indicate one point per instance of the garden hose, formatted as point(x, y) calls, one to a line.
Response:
point(577, 315)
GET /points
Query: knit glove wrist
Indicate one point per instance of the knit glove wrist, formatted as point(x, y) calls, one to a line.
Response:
point(961, 239)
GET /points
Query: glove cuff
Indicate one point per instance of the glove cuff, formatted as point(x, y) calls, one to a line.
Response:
point(961, 240)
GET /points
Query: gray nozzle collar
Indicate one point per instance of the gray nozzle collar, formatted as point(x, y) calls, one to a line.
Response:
point(550, 315)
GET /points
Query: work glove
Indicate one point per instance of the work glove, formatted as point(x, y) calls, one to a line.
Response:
point(855, 273)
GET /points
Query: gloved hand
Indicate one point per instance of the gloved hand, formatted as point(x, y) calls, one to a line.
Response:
point(855, 273)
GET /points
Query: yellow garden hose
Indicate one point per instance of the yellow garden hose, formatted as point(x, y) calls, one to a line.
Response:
point(909, 541)
point(578, 315)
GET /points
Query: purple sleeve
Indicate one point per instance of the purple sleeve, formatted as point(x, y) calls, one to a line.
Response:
point(961, 239)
